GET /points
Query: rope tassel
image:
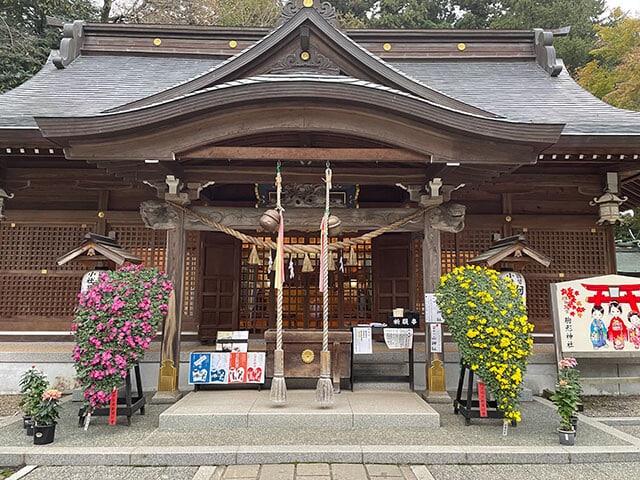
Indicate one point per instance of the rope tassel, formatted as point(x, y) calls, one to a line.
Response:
point(324, 388)
point(278, 392)
point(254, 258)
point(307, 266)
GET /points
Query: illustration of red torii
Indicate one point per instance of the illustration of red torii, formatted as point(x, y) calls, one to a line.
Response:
point(603, 294)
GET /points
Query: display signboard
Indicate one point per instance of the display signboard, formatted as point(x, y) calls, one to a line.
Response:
point(401, 318)
point(597, 315)
point(225, 368)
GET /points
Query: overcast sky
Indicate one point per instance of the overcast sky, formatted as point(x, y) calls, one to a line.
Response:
point(632, 6)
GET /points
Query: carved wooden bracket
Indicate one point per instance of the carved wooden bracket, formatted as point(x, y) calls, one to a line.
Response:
point(448, 217)
point(325, 9)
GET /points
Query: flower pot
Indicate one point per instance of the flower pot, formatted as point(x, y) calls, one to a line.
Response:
point(26, 420)
point(566, 437)
point(574, 422)
point(29, 426)
point(43, 434)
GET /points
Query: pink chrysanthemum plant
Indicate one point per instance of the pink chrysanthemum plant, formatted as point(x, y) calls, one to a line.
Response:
point(116, 320)
point(487, 318)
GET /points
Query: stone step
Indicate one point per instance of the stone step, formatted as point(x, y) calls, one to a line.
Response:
point(251, 408)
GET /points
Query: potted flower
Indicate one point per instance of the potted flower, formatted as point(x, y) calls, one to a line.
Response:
point(116, 320)
point(567, 370)
point(487, 318)
point(566, 398)
point(33, 383)
point(46, 416)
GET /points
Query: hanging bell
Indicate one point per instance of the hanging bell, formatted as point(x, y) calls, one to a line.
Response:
point(270, 220)
point(254, 258)
point(334, 226)
point(307, 266)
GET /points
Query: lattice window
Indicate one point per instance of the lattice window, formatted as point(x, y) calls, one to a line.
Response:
point(575, 254)
point(32, 285)
point(34, 247)
point(148, 244)
point(255, 283)
point(458, 249)
point(39, 295)
point(350, 293)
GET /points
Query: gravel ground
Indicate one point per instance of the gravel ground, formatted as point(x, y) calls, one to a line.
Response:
point(594, 406)
point(611, 406)
point(9, 405)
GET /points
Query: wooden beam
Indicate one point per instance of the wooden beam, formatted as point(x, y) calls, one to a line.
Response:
point(375, 175)
point(307, 154)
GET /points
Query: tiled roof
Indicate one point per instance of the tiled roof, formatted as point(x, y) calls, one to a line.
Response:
point(515, 90)
point(92, 84)
point(523, 91)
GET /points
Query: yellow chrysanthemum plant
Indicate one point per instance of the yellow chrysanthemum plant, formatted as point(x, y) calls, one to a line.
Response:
point(487, 318)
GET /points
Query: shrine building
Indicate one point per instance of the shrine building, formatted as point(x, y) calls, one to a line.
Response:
point(168, 138)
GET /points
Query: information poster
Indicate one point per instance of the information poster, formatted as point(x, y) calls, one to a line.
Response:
point(431, 309)
point(362, 340)
point(398, 338)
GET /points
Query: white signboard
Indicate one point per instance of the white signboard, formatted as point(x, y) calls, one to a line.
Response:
point(397, 338)
point(519, 281)
point(431, 309)
point(362, 340)
point(599, 314)
point(89, 279)
point(435, 337)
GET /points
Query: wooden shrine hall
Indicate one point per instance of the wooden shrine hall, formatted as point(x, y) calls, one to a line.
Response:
point(437, 140)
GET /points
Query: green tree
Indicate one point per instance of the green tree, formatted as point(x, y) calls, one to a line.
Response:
point(614, 73)
point(477, 14)
point(412, 14)
point(580, 15)
point(25, 37)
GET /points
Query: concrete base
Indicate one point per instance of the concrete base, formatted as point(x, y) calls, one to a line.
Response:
point(249, 408)
point(436, 397)
point(166, 397)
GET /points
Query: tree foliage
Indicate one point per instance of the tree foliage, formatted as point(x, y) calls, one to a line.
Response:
point(247, 13)
point(614, 73)
point(25, 38)
point(580, 15)
point(574, 49)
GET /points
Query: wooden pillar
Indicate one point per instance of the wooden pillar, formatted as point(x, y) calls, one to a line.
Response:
point(432, 270)
point(168, 384)
point(103, 206)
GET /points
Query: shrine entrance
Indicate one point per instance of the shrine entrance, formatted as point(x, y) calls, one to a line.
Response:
point(235, 291)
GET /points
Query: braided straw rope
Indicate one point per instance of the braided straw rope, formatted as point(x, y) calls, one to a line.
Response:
point(301, 249)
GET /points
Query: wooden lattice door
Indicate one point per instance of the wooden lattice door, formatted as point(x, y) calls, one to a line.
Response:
point(219, 285)
point(393, 275)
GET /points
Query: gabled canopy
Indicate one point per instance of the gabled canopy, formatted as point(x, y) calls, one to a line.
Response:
point(465, 106)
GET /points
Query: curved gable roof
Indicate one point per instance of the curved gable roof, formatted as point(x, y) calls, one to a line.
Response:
point(345, 54)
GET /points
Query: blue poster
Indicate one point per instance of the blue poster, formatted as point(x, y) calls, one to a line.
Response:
point(199, 367)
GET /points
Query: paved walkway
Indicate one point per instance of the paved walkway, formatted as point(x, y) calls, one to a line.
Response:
point(604, 449)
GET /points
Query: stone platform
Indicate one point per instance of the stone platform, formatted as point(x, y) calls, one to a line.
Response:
point(252, 408)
